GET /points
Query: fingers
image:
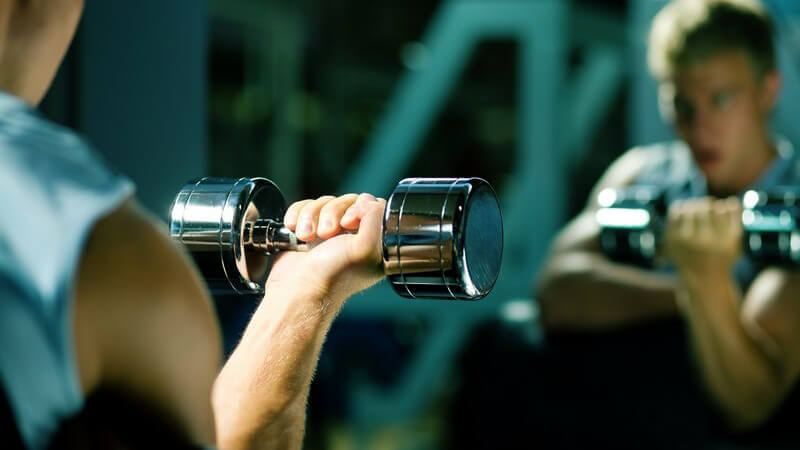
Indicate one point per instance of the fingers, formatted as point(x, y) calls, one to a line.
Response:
point(725, 217)
point(307, 217)
point(331, 214)
point(367, 245)
point(727, 222)
point(734, 206)
point(326, 216)
point(679, 221)
point(719, 217)
point(353, 215)
point(701, 215)
point(290, 218)
point(705, 224)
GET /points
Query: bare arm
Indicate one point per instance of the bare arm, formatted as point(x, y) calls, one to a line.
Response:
point(260, 396)
point(580, 289)
point(747, 354)
point(274, 363)
point(144, 323)
point(746, 349)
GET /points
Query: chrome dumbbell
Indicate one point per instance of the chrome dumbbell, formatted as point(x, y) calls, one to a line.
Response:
point(442, 237)
point(631, 223)
point(632, 219)
point(770, 222)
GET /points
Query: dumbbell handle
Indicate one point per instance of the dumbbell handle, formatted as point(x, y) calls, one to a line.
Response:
point(271, 236)
point(769, 220)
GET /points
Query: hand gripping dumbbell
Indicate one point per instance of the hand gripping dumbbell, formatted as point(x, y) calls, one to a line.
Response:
point(632, 223)
point(442, 238)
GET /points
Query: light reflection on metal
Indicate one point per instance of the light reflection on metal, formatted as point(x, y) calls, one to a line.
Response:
point(750, 199)
point(607, 197)
point(622, 217)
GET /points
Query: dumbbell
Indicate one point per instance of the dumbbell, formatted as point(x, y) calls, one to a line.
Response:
point(632, 222)
point(442, 238)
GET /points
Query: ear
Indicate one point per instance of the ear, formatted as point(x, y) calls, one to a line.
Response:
point(666, 101)
point(770, 88)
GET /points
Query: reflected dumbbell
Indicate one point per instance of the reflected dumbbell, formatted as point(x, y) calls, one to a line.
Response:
point(442, 238)
point(770, 222)
point(632, 221)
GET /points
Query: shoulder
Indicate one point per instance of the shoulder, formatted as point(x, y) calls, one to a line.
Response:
point(36, 149)
point(52, 190)
point(638, 163)
point(58, 188)
point(641, 159)
point(789, 153)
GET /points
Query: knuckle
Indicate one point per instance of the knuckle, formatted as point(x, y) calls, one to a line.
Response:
point(305, 215)
point(321, 201)
point(326, 208)
point(346, 200)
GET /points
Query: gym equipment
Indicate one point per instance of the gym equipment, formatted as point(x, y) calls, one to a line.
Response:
point(632, 223)
point(442, 237)
point(770, 221)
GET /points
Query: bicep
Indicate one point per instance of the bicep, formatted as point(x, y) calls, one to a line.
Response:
point(771, 314)
point(144, 322)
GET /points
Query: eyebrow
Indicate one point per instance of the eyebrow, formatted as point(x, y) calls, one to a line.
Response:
point(731, 89)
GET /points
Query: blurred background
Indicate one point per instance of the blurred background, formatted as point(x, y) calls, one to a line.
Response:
point(536, 96)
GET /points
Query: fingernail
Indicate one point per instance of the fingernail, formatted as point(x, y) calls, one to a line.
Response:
point(348, 215)
point(326, 225)
point(305, 227)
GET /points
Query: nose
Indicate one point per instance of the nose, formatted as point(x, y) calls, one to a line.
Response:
point(701, 128)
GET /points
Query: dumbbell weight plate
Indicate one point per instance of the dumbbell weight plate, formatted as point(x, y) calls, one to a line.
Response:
point(442, 238)
point(208, 217)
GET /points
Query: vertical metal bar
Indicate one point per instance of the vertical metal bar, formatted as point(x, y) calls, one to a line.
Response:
point(142, 84)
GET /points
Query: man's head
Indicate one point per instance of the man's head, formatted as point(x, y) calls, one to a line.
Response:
point(34, 36)
point(715, 62)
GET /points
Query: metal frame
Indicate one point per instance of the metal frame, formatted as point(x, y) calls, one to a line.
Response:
point(541, 28)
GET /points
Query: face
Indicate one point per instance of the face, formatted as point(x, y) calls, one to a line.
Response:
point(721, 110)
point(34, 36)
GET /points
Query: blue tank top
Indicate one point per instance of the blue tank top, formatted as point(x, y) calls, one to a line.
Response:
point(53, 189)
point(672, 167)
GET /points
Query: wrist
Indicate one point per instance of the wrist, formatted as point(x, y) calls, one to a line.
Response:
point(311, 288)
point(705, 272)
point(705, 287)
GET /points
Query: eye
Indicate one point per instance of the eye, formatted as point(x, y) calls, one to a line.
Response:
point(722, 100)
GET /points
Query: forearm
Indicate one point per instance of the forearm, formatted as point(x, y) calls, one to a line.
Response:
point(737, 372)
point(260, 395)
point(583, 290)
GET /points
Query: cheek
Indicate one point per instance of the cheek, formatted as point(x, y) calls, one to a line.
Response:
point(740, 124)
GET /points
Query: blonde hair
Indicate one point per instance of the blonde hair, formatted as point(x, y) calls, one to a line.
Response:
point(687, 31)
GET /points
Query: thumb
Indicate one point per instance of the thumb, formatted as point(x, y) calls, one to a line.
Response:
point(368, 240)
